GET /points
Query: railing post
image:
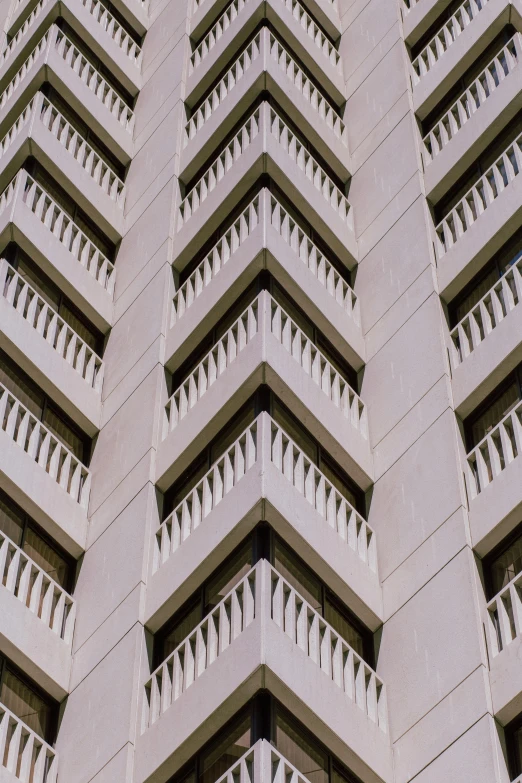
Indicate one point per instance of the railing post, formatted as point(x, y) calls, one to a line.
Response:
point(264, 446)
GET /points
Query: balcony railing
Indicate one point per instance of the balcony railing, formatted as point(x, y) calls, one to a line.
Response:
point(222, 477)
point(48, 324)
point(304, 20)
point(19, 36)
point(28, 432)
point(483, 193)
point(55, 38)
point(487, 314)
point(23, 753)
point(264, 207)
point(264, 441)
point(120, 37)
point(448, 33)
point(472, 99)
point(36, 590)
point(265, 121)
point(42, 110)
point(262, 763)
point(264, 594)
point(265, 46)
point(495, 452)
point(212, 367)
point(505, 616)
point(61, 226)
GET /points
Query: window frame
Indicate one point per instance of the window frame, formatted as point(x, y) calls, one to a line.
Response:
point(6, 664)
point(496, 552)
point(515, 376)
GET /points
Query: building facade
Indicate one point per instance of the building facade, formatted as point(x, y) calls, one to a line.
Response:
point(260, 391)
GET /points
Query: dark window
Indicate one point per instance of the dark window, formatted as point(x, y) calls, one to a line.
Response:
point(25, 700)
point(478, 168)
point(493, 409)
point(264, 718)
point(69, 206)
point(34, 399)
point(81, 127)
point(30, 272)
point(26, 534)
point(265, 281)
point(263, 400)
point(464, 81)
point(263, 543)
point(509, 255)
point(513, 734)
point(504, 563)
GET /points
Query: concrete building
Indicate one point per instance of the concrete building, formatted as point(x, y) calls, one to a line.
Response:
point(260, 391)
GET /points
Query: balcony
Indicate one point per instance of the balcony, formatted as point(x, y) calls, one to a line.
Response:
point(57, 60)
point(267, 339)
point(486, 344)
point(38, 620)
point(204, 12)
point(455, 47)
point(42, 131)
point(42, 475)
point(265, 64)
point(47, 349)
point(477, 226)
point(94, 24)
point(29, 216)
point(264, 145)
point(417, 17)
point(24, 756)
point(263, 634)
point(494, 483)
point(473, 121)
point(503, 635)
point(239, 21)
point(264, 236)
point(264, 475)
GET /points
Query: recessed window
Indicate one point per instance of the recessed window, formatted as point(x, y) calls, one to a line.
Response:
point(263, 543)
point(486, 417)
point(504, 563)
point(27, 701)
point(27, 535)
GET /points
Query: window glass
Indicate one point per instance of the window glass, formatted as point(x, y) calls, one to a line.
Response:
point(469, 302)
point(495, 412)
point(300, 437)
point(25, 703)
point(228, 576)
point(182, 627)
point(300, 750)
point(506, 566)
point(11, 521)
point(78, 325)
point(46, 557)
point(335, 478)
point(64, 433)
point(298, 575)
point(32, 398)
point(516, 747)
point(227, 749)
point(29, 273)
point(341, 623)
point(239, 424)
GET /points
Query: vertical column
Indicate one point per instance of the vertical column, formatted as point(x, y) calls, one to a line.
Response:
point(100, 718)
point(432, 655)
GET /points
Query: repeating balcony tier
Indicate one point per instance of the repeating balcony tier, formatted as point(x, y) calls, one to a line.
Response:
point(494, 483)
point(473, 121)
point(504, 639)
point(264, 340)
point(264, 64)
point(264, 634)
point(55, 59)
point(264, 145)
point(264, 236)
point(264, 475)
point(38, 620)
point(135, 12)
point(94, 24)
point(30, 217)
point(24, 756)
point(49, 351)
point(206, 12)
point(262, 763)
point(486, 344)
point(238, 22)
point(42, 475)
point(479, 223)
point(43, 132)
point(455, 48)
